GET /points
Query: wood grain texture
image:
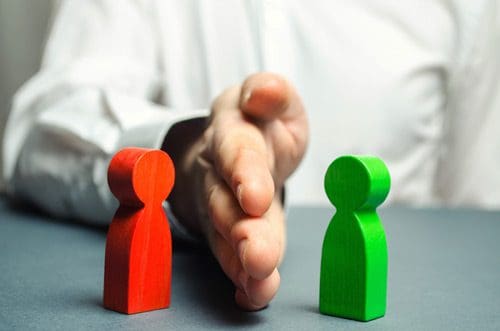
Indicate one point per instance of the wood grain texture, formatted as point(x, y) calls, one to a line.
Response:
point(138, 261)
point(353, 281)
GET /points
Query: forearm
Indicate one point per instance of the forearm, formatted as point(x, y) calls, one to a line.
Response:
point(61, 163)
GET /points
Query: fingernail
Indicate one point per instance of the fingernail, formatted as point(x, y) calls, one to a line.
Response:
point(243, 279)
point(246, 96)
point(239, 193)
point(242, 246)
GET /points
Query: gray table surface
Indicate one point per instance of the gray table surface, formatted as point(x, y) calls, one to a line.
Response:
point(444, 274)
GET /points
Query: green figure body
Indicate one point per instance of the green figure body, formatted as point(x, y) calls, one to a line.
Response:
point(353, 280)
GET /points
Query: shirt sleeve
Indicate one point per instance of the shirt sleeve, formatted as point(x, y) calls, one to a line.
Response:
point(94, 94)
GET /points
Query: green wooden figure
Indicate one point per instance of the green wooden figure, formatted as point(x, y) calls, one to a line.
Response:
point(353, 280)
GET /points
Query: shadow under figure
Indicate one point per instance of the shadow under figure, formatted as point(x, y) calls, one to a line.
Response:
point(353, 281)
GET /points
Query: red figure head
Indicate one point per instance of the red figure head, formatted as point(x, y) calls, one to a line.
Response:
point(137, 176)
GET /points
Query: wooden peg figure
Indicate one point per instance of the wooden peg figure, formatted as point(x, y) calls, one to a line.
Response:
point(353, 281)
point(138, 262)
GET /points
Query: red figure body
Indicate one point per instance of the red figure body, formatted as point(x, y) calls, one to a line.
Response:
point(138, 266)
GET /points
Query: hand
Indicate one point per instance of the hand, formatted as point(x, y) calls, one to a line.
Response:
point(256, 136)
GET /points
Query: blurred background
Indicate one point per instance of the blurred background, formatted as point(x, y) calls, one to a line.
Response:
point(23, 27)
point(466, 175)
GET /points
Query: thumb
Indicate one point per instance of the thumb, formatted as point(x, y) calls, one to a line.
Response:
point(267, 96)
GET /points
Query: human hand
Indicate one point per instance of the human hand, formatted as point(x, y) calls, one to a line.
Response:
point(256, 136)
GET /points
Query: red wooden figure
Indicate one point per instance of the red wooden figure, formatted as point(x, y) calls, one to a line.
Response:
point(138, 265)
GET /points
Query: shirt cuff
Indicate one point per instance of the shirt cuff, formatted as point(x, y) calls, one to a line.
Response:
point(178, 230)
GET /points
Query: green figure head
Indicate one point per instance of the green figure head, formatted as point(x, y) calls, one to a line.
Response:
point(357, 182)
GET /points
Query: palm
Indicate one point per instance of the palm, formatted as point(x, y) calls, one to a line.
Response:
point(256, 137)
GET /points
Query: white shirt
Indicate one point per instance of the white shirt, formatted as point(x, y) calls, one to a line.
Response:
point(413, 82)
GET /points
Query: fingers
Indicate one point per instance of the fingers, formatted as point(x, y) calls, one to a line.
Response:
point(251, 293)
point(253, 127)
point(248, 249)
point(267, 96)
point(241, 156)
point(261, 243)
point(264, 96)
point(226, 257)
point(258, 243)
point(256, 294)
point(271, 99)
